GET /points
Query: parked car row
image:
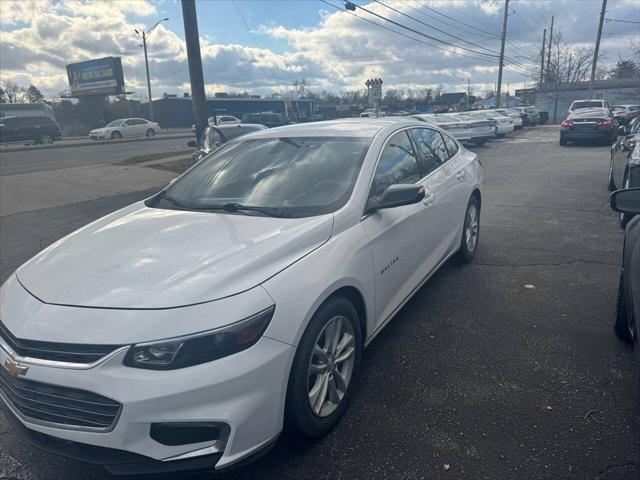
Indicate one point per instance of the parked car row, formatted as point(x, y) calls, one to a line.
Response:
point(624, 168)
point(479, 126)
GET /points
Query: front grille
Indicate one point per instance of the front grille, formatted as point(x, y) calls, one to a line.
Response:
point(60, 352)
point(60, 405)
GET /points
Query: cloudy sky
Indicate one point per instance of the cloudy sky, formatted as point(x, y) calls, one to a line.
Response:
point(263, 46)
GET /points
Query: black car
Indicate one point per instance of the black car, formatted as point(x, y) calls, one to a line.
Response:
point(624, 167)
point(628, 305)
point(589, 124)
point(41, 130)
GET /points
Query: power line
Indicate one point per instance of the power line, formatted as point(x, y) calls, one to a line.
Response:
point(527, 25)
point(481, 59)
point(424, 34)
point(493, 34)
point(479, 32)
point(430, 26)
point(273, 74)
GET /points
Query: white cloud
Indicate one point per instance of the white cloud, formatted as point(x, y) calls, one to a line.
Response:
point(339, 52)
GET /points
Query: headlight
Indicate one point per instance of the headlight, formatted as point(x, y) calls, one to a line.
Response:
point(199, 348)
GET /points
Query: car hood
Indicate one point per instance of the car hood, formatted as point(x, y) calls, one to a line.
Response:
point(148, 258)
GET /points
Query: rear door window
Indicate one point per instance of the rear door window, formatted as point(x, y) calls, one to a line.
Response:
point(433, 149)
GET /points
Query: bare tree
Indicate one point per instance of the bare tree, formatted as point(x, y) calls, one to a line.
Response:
point(566, 64)
point(13, 93)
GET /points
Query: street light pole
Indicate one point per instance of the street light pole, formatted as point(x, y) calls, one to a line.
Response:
point(146, 61)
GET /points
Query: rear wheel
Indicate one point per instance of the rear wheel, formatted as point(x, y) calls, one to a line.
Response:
point(150, 133)
point(470, 232)
point(479, 141)
point(324, 369)
point(563, 141)
point(45, 140)
point(116, 136)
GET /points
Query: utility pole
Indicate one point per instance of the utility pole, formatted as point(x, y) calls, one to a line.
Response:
point(549, 51)
point(595, 52)
point(198, 99)
point(468, 91)
point(146, 64)
point(504, 37)
point(544, 42)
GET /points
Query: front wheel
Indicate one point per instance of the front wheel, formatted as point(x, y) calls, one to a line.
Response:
point(625, 217)
point(623, 330)
point(470, 232)
point(324, 369)
point(150, 133)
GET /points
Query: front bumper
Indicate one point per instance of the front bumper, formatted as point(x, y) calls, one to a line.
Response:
point(97, 136)
point(245, 391)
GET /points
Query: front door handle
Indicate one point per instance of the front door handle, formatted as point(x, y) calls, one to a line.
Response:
point(460, 175)
point(428, 199)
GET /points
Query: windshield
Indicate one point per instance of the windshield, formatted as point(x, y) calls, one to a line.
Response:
point(115, 123)
point(586, 104)
point(298, 177)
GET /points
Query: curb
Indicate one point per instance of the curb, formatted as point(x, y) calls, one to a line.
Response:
point(95, 143)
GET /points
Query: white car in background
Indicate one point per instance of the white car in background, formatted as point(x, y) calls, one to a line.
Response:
point(126, 128)
point(188, 329)
point(514, 115)
point(482, 129)
point(504, 123)
point(459, 128)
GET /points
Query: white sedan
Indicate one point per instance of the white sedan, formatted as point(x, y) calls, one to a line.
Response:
point(187, 329)
point(125, 128)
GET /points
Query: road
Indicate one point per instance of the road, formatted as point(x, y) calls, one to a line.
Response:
point(103, 153)
point(506, 368)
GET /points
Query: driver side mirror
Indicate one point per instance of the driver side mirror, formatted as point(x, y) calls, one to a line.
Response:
point(626, 201)
point(396, 196)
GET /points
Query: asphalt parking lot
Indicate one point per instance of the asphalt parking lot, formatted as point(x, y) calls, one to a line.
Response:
point(507, 368)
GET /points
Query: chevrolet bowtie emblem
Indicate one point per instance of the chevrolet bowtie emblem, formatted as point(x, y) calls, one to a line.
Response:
point(15, 369)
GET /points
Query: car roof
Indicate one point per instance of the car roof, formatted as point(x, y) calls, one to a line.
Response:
point(346, 127)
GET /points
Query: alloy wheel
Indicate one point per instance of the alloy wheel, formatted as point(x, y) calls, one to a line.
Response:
point(331, 366)
point(471, 228)
point(45, 140)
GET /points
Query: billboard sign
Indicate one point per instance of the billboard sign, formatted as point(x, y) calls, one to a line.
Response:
point(102, 76)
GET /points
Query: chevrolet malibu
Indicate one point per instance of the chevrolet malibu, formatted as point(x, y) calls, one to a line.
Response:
point(189, 330)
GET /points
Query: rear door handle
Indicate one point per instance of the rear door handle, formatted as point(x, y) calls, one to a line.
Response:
point(460, 175)
point(428, 198)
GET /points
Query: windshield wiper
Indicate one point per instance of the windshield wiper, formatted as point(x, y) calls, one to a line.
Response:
point(173, 201)
point(238, 207)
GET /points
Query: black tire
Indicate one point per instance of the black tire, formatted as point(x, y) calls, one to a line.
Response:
point(610, 140)
point(45, 140)
point(150, 133)
point(624, 218)
point(466, 253)
point(501, 135)
point(479, 141)
point(563, 141)
point(622, 329)
point(299, 417)
point(116, 135)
